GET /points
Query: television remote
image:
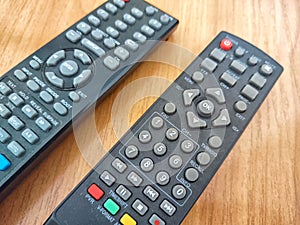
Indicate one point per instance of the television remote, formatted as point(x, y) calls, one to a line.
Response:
point(40, 96)
point(158, 170)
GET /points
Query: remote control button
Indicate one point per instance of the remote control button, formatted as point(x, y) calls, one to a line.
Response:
point(129, 19)
point(266, 70)
point(121, 25)
point(206, 108)
point(168, 208)
point(240, 106)
point(69, 68)
point(4, 136)
point(132, 45)
point(4, 111)
point(203, 158)
point(30, 136)
point(121, 53)
point(226, 44)
point(189, 96)
point(82, 56)
point(157, 122)
point(160, 149)
point(252, 61)
point(84, 27)
point(94, 20)
point(131, 152)
point(147, 165)
point(238, 67)
point(16, 149)
point(32, 85)
point(102, 14)
point(43, 124)
point(134, 179)
point(175, 161)
point(223, 119)
point(156, 220)
point(148, 31)
point(111, 63)
point(140, 207)
point(46, 97)
point(150, 10)
point(215, 142)
point(209, 65)
point(96, 192)
point(74, 96)
point(4, 89)
point(187, 146)
point(16, 99)
point(81, 79)
point(139, 37)
point(172, 134)
point(123, 192)
point(217, 94)
point(191, 175)
point(56, 58)
point(218, 55)
point(73, 36)
point(179, 192)
point(16, 123)
point(170, 108)
point(228, 79)
point(4, 163)
point(93, 47)
point(137, 13)
point(119, 165)
point(198, 77)
point(145, 137)
point(151, 193)
point(107, 178)
point(29, 111)
point(239, 52)
point(194, 121)
point(34, 65)
point(20, 75)
point(112, 32)
point(155, 24)
point(127, 220)
point(119, 3)
point(258, 81)
point(60, 109)
point(249, 92)
point(164, 19)
point(97, 34)
point(111, 8)
point(162, 178)
point(111, 206)
point(54, 80)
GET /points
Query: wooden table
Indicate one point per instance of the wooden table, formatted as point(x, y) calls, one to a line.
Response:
point(259, 182)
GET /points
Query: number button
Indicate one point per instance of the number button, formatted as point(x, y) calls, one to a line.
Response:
point(131, 152)
point(147, 165)
point(175, 162)
point(160, 149)
point(162, 178)
point(187, 146)
point(179, 192)
point(172, 134)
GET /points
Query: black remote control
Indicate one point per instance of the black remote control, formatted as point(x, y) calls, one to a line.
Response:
point(38, 96)
point(158, 170)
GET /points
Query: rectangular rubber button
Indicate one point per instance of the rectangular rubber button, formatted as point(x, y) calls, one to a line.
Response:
point(112, 207)
point(95, 192)
point(127, 220)
point(209, 65)
point(4, 163)
point(16, 149)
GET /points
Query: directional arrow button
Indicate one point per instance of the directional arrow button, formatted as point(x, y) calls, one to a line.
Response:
point(189, 96)
point(107, 178)
point(217, 94)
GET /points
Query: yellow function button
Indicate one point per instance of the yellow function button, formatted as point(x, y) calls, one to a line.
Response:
point(127, 220)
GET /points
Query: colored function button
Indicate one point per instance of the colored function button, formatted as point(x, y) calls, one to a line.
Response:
point(226, 44)
point(156, 220)
point(4, 163)
point(112, 207)
point(127, 220)
point(95, 192)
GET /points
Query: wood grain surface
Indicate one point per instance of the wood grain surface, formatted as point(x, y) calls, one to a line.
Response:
point(258, 184)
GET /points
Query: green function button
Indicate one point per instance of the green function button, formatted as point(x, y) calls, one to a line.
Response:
point(112, 207)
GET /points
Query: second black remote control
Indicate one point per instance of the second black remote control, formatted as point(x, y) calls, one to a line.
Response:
point(40, 96)
point(158, 170)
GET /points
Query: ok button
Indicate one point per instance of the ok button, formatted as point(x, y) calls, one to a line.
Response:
point(69, 68)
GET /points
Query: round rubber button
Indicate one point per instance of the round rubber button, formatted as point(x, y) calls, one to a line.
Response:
point(198, 77)
point(175, 161)
point(162, 178)
point(170, 108)
point(191, 175)
point(69, 68)
point(145, 137)
point(206, 108)
point(187, 146)
point(131, 152)
point(147, 165)
point(172, 134)
point(179, 192)
point(226, 44)
point(240, 106)
point(203, 158)
point(160, 149)
point(252, 61)
point(157, 122)
point(215, 142)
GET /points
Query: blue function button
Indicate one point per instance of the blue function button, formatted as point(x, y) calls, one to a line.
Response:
point(4, 163)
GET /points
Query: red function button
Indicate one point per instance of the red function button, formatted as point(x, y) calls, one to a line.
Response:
point(95, 192)
point(226, 44)
point(126, 0)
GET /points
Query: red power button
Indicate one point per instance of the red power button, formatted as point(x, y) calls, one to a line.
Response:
point(226, 44)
